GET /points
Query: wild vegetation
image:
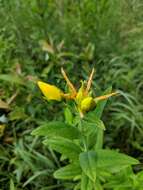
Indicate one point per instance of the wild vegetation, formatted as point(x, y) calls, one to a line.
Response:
point(37, 38)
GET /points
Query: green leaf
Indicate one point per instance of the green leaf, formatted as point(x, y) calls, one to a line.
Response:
point(108, 160)
point(34, 176)
point(91, 120)
point(68, 172)
point(68, 116)
point(98, 185)
point(17, 114)
point(57, 129)
point(114, 161)
point(86, 183)
point(12, 186)
point(14, 79)
point(77, 186)
point(88, 164)
point(64, 146)
point(140, 176)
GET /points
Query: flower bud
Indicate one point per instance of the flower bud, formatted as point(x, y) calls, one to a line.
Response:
point(87, 104)
point(51, 92)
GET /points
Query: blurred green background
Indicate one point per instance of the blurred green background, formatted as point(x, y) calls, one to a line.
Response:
point(37, 38)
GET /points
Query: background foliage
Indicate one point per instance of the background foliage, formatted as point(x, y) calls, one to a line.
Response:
point(37, 37)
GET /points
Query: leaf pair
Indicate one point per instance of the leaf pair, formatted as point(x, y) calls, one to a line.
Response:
point(61, 138)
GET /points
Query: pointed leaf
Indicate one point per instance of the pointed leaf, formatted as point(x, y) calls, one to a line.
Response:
point(108, 160)
point(57, 129)
point(113, 161)
point(68, 172)
point(64, 146)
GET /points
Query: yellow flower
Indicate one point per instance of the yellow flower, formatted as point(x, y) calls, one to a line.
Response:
point(51, 92)
point(85, 102)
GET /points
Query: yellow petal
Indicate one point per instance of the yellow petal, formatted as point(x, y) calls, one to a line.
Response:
point(51, 92)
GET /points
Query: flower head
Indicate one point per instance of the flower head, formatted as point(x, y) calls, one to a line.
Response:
point(84, 101)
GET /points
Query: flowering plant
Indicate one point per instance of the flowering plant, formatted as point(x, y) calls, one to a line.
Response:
point(80, 141)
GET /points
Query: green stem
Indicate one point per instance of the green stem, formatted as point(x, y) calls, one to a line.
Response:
point(99, 140)
point(84, 140)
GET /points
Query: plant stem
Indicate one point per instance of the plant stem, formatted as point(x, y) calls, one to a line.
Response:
point(84, 141)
